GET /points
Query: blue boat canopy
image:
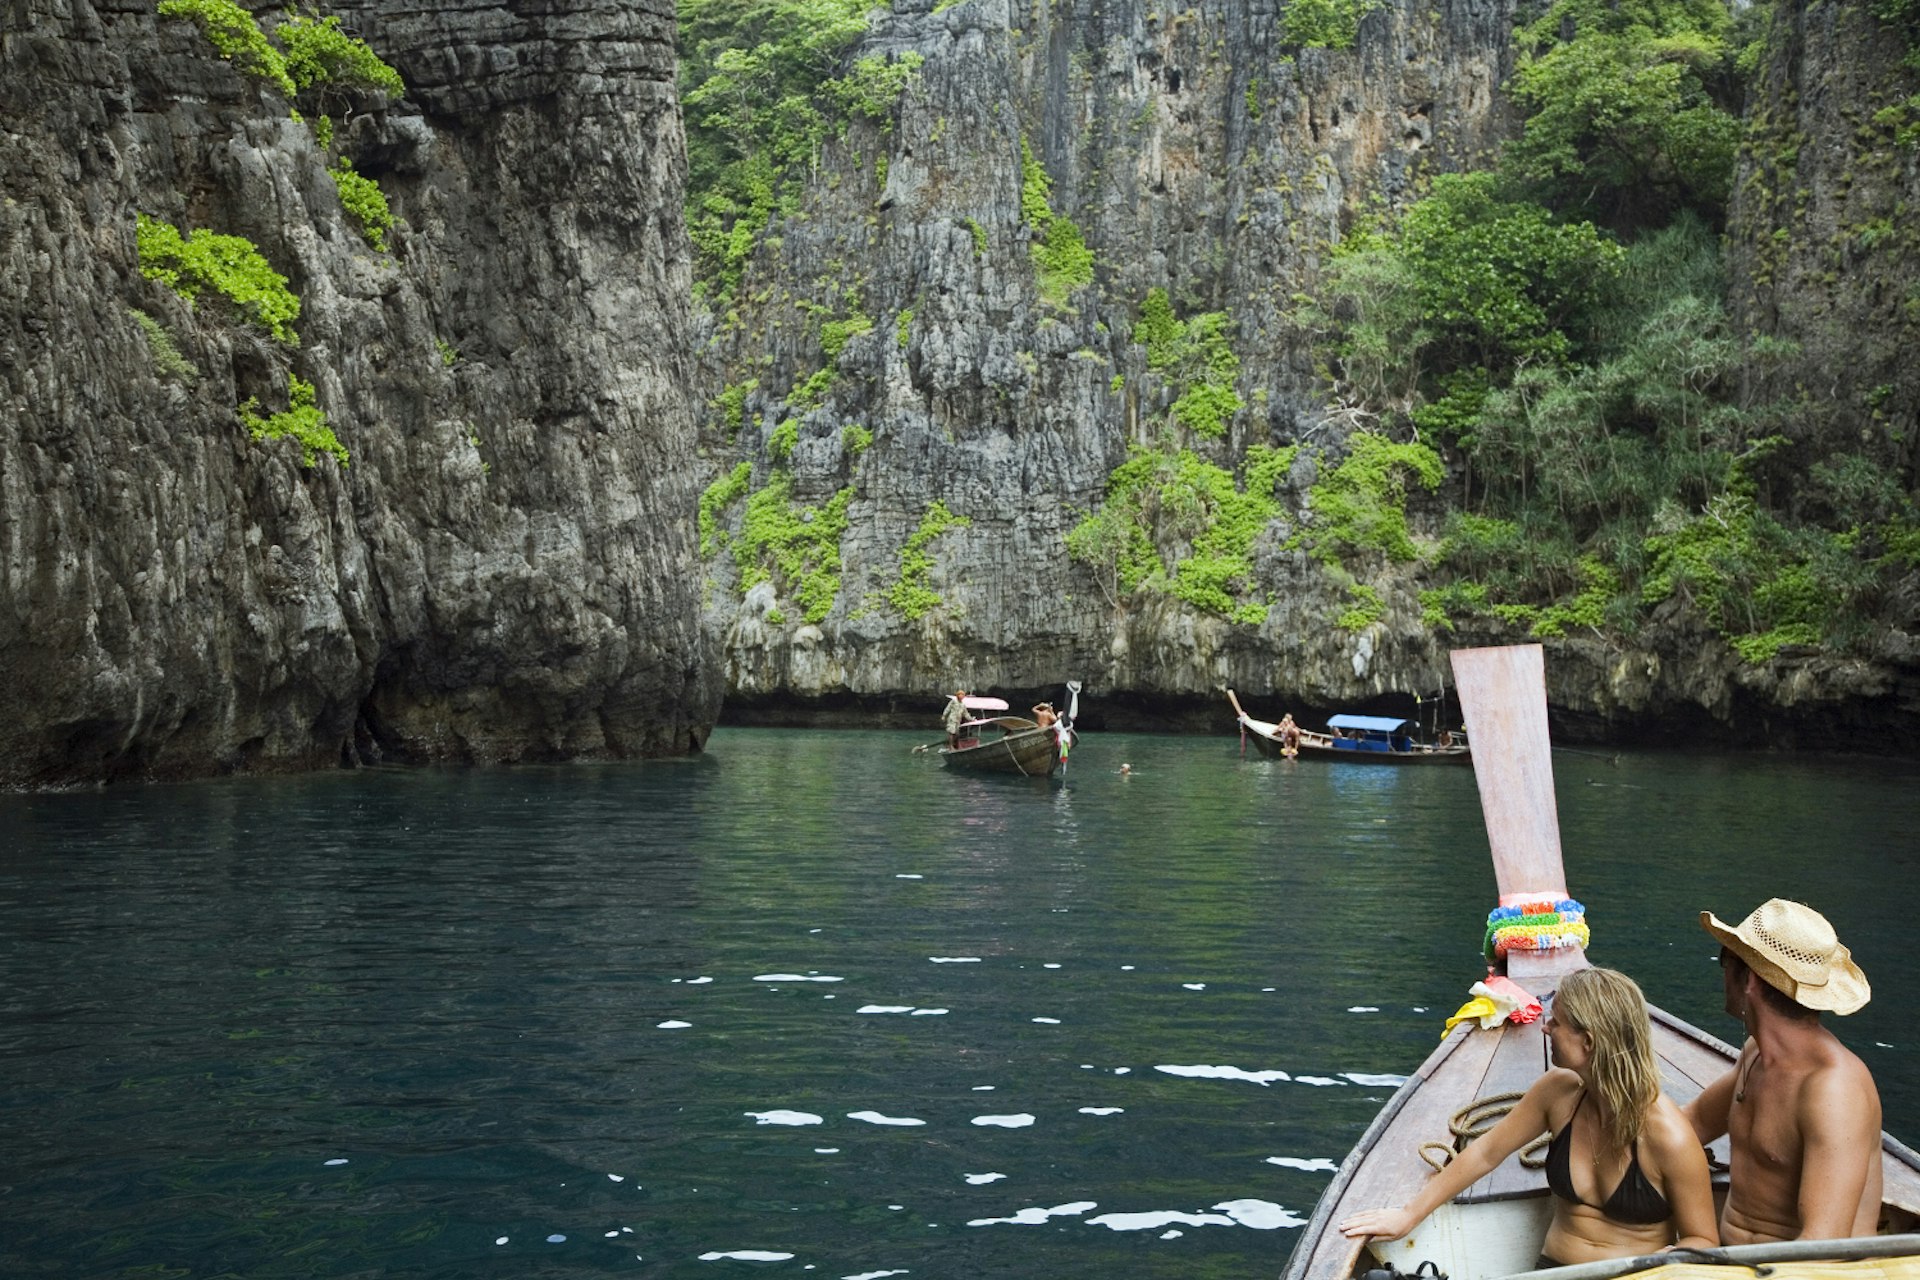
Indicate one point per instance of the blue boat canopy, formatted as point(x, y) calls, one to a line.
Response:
point(1375, 724)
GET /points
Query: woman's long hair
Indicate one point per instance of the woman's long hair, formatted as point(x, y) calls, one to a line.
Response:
point(1608, 1006)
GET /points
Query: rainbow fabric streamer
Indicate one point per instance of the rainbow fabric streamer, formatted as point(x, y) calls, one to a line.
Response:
point(1544, 924)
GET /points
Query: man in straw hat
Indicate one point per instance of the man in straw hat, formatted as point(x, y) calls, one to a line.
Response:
point(1799, 1109)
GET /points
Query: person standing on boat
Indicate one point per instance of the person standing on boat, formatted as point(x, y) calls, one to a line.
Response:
point(1799, 1109)
point(955, 716)
point(1627, 1175)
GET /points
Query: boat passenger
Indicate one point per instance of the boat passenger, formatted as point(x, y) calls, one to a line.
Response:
point(1043, 714)
point(1627, 1175)
point(1800, 1111)
point(954, 717)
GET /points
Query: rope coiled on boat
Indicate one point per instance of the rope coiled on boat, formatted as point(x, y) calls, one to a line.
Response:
point(1474, 1119)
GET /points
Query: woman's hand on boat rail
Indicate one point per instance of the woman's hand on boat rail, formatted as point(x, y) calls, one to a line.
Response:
point(1381, 1224)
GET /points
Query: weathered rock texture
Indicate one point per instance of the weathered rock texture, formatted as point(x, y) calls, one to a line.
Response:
point(1823, 166)
point(1201, 156)
point(506, 569)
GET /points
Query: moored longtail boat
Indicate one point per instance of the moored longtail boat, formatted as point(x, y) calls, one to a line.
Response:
point(1015, 744)
point(1496, 1227)
point(1369, 740)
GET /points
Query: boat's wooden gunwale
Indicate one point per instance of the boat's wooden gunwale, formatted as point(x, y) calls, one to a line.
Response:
point(1753, 1258)
point(1377, 1173)
point(1322, 1250)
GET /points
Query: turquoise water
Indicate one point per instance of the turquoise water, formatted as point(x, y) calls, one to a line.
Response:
point(810, 1005)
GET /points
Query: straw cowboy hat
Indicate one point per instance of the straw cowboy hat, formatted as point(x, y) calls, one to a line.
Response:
point(1794, 950)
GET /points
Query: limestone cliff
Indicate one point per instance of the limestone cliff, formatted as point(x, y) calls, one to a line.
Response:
point(1201, 154)
point(505, 568)
point(1824, 237)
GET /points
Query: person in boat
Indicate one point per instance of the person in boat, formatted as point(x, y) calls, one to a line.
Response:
point(1799, 1109)
point(1289, 734)
point(1043, 714)
point(955, 716)
point(1627, 1175)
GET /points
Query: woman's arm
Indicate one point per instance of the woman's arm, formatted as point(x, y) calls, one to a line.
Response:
point(1684, 1174)
point(1527, 1121)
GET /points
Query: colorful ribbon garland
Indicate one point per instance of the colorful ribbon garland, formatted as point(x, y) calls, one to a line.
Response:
point(1544, 924)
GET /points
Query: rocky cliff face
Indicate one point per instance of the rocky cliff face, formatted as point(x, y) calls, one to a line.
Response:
point(505, 569)
point(1823, 235)
point(1199, 155)
point(1202, 155)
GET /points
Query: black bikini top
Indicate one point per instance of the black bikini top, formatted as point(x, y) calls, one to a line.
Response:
point(1634, 1201)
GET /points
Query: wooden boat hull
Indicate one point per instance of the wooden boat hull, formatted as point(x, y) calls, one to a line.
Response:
point(1314, 746)
point(1265, 737)
point(1031, 753)
point(1496, 1227)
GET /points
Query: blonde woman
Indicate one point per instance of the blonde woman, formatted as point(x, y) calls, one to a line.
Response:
point(1627, 1174)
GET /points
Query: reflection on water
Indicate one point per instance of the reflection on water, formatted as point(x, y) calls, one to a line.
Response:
point(812, 1003)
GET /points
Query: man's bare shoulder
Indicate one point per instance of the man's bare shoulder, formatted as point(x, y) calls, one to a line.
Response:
point(1836, 1088)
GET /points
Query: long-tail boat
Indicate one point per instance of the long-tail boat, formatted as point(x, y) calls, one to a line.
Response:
point(1495, 1227)
point(1361, 740)
point(1015, 744)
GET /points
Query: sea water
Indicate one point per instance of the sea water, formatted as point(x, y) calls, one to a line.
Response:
point(811, 1005)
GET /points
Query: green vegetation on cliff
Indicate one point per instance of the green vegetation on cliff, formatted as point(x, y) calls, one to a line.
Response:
point(168, 363)
point(1623, 122)
point(301, 421)
point(796, 547)
point(1903, 16)
point(792, 545)
point(236, 37)
point(316, 64)
point(1324, 24)
point(764, 87)
point(910, 595)
point(1177, 525)
point(228, 265)
point(1061, 260)
point(362, 197)
point(1556, 325)
point(314, 58)
point(323, 58)
point(1196, 355)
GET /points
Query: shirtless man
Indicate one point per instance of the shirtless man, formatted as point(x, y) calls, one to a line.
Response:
point(1800, 1111)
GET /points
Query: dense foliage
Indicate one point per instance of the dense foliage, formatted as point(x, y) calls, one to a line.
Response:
point(1557, 324)
point(910, 595)
point(321, 56)
point(1631, 111)
point(362, 197)
point(1175, 524)
point(1196, 356)
point(301, 421)
point(228, 265)
point(1324, 24)
point(236, 37)
point(764, 84)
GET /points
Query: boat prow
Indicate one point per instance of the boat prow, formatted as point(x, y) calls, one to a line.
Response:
point(1496, 1227)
